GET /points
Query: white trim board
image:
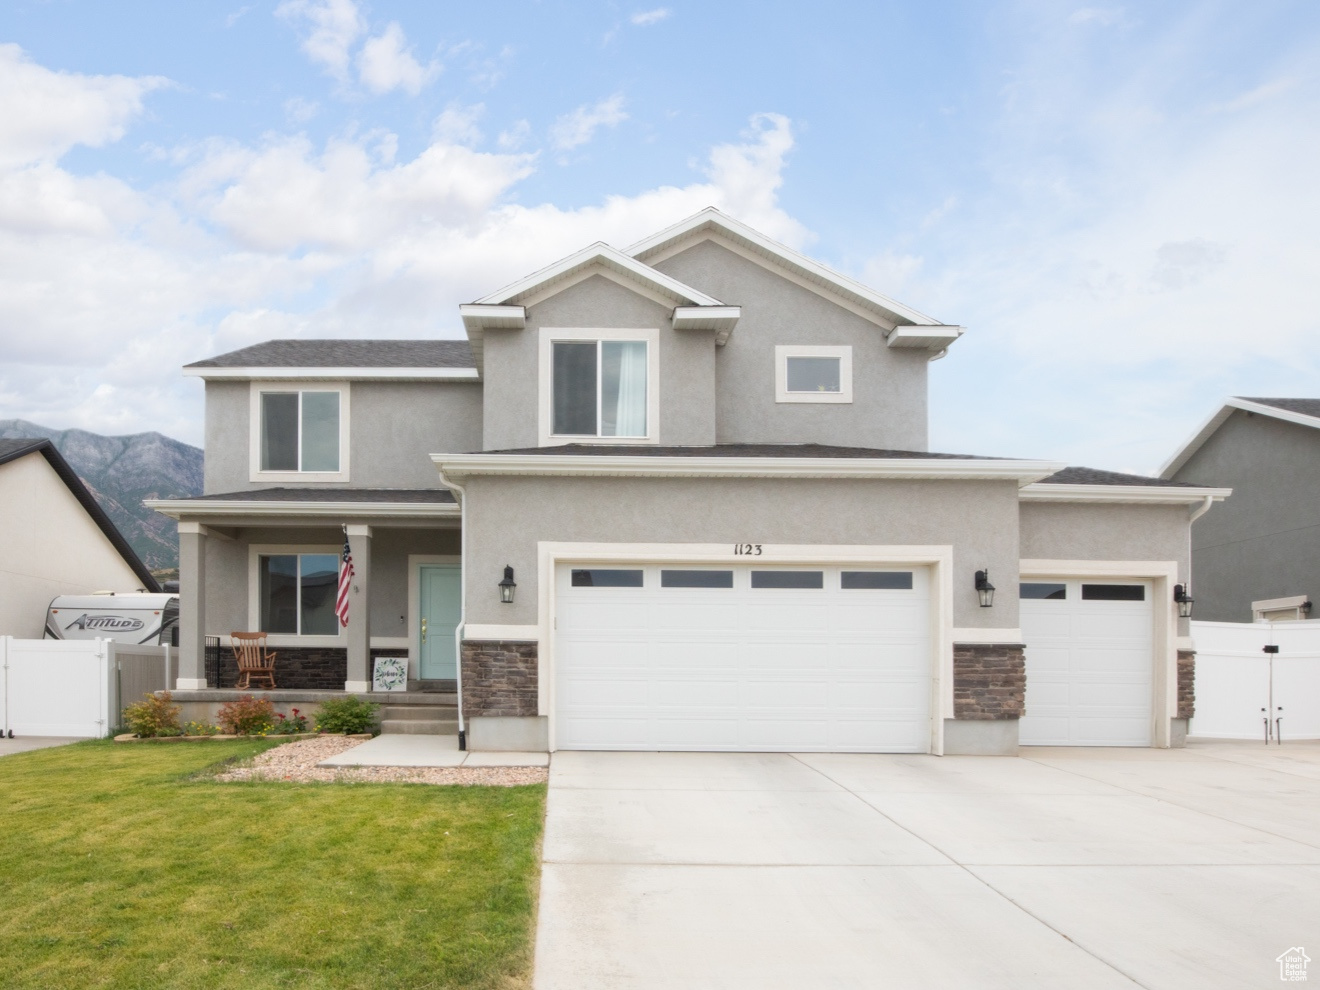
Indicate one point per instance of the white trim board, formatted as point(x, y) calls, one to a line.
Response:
point(1131, 494)
point(256, 475)
point(177, 508)
point(1207, 429)
point(842, 352)
point(502, 633)
point(938, 558)
point(334, 374)
point(546, 339)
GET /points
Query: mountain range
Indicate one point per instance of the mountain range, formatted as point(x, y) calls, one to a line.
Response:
point(121, 472)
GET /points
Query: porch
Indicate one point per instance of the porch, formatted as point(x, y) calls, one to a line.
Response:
point(413, 712)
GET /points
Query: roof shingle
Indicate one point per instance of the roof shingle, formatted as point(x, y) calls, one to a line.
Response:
point(346, 354)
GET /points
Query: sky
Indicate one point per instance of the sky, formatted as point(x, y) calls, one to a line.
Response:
point(1119, 203)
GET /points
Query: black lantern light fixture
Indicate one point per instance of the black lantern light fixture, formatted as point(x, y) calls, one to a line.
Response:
point(507, 586)
point(1184, 600)
point(984, 589)
point(1305, 608)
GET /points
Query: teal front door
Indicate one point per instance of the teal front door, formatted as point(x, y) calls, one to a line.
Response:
point(439, 609)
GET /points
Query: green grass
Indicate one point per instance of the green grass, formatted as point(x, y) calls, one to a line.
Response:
point(124, 867)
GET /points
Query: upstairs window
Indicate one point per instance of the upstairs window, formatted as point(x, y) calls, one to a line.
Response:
point(599, 388)
point(299, 431)
point(813, 373)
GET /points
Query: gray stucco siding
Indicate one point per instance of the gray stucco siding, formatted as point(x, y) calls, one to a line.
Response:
point(889, 385)
point(227, 577)
point(1264, 541)
point(511, 361)
point(1081, 531)
point(507, 517)
point(394, 427)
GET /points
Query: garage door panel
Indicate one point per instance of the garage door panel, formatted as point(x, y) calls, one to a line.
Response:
point(1089, 668)
point(742, 668)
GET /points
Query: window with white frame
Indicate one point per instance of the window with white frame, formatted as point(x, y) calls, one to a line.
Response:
point(296, 593)
point(300, 431)
point(599, 385)
point(805, 373)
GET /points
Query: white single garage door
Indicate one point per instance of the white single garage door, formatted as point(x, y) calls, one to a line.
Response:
point(753, 658)
point(1089, 661)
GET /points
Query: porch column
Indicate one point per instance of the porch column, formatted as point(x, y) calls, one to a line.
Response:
point(192, 607)
point(358, 677)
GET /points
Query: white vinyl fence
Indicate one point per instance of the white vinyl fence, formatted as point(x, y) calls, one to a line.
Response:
point(51, 687)
point(1239, 685)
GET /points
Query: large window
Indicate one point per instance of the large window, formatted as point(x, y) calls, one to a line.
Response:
point(296, 593)
point(808, 373)
point(300, 431)
point(599, 388)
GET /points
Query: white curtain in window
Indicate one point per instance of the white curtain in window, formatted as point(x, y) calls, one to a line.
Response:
point(630, 402)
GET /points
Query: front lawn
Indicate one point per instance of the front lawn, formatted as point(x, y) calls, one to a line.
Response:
point(123, 869)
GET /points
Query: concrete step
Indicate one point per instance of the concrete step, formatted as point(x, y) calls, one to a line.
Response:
point(441, 686)
point(418, 727)
point(442, 712)
point(392, 698)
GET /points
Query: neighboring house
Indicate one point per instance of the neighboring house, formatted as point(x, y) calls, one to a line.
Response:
point(680, 497)
point(1258, 557)
point(54, 539)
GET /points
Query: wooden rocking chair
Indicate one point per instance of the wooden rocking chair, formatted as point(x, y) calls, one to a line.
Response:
point(254, 660)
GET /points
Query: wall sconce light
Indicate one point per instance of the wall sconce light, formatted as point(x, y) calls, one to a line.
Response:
point(984, 589)
point(1305, 608)
point(507, 586)
point(1184, 600)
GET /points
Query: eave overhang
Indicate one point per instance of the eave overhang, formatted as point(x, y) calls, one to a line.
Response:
point(926, 336)
point(457, 467)
point(202, 509)
point(333, 374)
point(1126, 494)
point(1219, 417)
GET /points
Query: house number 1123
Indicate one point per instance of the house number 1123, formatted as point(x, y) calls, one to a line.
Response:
point(747, 549)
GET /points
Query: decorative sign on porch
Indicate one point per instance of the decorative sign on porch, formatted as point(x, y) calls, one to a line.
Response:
point(390, 674)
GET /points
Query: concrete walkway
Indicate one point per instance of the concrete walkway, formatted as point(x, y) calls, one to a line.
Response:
point(427, 751)
point(1083, 869)
point(25, 744)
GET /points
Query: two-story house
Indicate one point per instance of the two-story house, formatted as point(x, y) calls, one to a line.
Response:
point(679, 496)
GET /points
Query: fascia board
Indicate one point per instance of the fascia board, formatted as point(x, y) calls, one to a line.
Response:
point(932, 337)
point(335, 374)
point(548, 465)
point(493, 317)
point(1131, 494)
point(176, 508)
point(721, 319)
point(611, 257)
point(1217, 419)
point(786, 255)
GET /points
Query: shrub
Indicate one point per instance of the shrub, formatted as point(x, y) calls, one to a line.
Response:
point(247, 716)
point(291, 724)
point(154, 715)
point(199, 729)
point(349, 715)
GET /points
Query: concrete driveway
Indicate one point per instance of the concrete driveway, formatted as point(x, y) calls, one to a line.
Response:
point(1091, 868)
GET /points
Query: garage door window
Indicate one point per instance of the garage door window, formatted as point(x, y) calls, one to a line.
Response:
point(1041, 590)
point(599, 577)
point(1113, 593)
point(876, 581)
point(788, 579)
point(696, 579)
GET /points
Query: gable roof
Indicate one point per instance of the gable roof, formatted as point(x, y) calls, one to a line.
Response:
point(385, 359)
point(12, 450)
point(1083, 484)
point(884, 310)
point(1302, 412)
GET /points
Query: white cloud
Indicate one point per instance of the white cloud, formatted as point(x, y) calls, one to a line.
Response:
point(47, 113)
point(514, 136)
point(579, 127)
point(645, 18)
point(386, 63)
point(1104, 16)
point(332, 27)
point(298, 110)
point(237, 16)
point(1262, 93)
point(457, 124)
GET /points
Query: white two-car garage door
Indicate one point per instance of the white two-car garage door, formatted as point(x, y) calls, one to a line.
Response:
point(1089, 663)
point(751, 658)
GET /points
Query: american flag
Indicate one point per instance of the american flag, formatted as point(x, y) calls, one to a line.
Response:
point(345, 582)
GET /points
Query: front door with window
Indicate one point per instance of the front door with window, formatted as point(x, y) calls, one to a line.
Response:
point(439, 610)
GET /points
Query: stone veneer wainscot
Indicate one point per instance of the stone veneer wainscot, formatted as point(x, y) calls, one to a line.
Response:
point(989, 681)
point(499, 678)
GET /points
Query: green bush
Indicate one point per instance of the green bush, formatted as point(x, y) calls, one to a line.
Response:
point(247, 716)
point(200, 729)
point(154, 715)
point(349, 715)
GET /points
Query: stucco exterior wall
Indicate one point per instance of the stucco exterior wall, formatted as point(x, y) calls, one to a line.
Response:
point(394, 427)
point(1078, 531)
point(1264, 541)
point(227, 578)
point(888, 410)
point(50, 547)
point(506, 517)
point(511, 359)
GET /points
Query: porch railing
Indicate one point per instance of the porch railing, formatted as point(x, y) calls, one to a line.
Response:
point(212, 661)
